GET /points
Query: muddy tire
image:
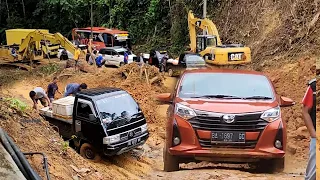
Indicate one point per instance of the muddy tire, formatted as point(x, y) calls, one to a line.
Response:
point(271, 166)
point(89, 152)
point(170, 163)
point(170, 72)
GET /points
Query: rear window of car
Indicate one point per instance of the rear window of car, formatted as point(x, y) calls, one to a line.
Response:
point(231, 84)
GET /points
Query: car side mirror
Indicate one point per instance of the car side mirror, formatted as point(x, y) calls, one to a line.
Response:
point(286, 102)
point(164, 97)
point(92, 117)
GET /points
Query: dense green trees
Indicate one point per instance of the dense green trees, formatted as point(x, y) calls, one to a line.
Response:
point(152, 22)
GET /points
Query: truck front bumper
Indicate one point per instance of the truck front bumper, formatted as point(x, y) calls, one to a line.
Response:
point(125, 146)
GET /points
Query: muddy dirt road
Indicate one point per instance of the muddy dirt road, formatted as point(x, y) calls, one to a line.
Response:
point(146, 163)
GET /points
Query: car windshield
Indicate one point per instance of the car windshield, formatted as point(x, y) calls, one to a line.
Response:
point(117, 109)
point(225, 85)
point(194, 60)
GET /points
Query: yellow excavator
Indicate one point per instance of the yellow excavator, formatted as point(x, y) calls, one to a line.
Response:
point(209, 46)
point(29, 51)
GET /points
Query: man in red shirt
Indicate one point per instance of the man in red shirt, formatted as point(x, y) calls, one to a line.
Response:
point(309, 116)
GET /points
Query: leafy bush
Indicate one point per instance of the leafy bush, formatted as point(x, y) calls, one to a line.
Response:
point(17, 104)
point(50, 69)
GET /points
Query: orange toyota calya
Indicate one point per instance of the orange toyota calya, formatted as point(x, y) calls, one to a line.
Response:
point(225, 116)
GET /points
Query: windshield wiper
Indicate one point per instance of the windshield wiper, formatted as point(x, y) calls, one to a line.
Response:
point(218, 96)
point(257, 97)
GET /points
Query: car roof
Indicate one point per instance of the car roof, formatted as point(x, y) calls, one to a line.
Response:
point(100, 93)
point(232, 71)
point(115, 48)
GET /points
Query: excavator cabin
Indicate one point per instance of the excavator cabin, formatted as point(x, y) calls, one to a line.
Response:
point(210, 47)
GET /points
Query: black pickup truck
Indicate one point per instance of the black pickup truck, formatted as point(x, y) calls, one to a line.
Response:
point(104, 121)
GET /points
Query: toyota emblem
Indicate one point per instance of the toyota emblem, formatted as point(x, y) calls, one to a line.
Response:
point(228, 118)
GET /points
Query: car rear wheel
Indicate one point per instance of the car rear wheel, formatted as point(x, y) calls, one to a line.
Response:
point(171, 163)
point(271, 165)
point(89, 152)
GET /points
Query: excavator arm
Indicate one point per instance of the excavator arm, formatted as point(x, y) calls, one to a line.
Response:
point(37, 36)
point(204, 24)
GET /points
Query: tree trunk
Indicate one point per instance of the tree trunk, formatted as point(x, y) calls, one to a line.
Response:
point(23, 9)
point(8, 9)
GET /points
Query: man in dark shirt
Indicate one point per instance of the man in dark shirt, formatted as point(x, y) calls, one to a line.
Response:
point(73, 88)
point(52, 89)
point(309, 116)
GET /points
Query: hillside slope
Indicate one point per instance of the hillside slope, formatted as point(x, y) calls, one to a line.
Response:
point(273, 29)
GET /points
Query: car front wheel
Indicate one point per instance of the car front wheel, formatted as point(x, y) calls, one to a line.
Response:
point(89, 152)
point(171, 163)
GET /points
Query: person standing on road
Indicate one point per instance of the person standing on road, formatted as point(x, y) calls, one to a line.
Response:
point(52, 89)
point(39, 94)
point(76, 56)
point(309, 116)
point(126, 56)
point(73, 88)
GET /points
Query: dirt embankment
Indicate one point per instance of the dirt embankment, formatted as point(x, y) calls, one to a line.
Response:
point(274, 30)
point(32, 133)
point(289, 80)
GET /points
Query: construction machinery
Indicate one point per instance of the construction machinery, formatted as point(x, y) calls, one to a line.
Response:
point(209, 44)
point(17, 36)
point(30, 49)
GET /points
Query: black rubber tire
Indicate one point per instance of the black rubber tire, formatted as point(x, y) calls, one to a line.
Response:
point(170, 163)
point(89, 152)
point(270, 165)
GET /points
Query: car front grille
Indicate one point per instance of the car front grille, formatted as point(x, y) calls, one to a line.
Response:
point(209, 121)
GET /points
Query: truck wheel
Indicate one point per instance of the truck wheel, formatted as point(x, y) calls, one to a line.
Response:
point(171, 163)
point(89, 152)
point(271, 165)
point(170, 72)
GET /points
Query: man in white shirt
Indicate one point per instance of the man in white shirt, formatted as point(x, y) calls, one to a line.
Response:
point(39, 94)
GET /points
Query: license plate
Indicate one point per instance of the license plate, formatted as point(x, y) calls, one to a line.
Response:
point(228, 137)
point(134, 142)
point(235, 56)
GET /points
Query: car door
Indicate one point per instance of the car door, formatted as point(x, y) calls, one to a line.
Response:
point(107, 56)
point(92, 131)
point(116, 58)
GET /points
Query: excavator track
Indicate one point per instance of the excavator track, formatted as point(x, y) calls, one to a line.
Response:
point(18, 64)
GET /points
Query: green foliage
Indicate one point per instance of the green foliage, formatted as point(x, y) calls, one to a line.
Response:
point(17, 104)
point(50, 69)
point(64, 146)
point(148, 21)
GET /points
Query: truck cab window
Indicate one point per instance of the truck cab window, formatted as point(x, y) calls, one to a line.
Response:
point(83, 110)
